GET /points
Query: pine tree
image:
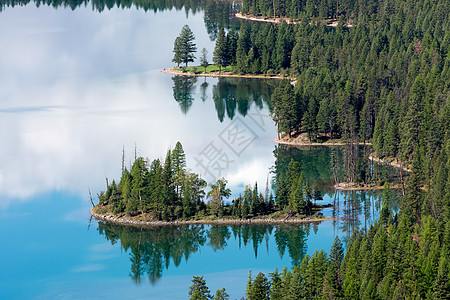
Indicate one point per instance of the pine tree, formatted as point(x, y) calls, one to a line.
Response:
point(441, 286)
point(177, 49)
point(178, 165)
point(378, 256)
point(413, 199)
point(169, 196)
point(335, 258)
point(232, 38)
point(184, 47)
point(276, 290)
point(198, 290)
point(204, 58)
point(220, 55)
point(258, 289)
point(221, 294)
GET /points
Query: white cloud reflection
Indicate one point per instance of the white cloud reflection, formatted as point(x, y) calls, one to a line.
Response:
point(78, 85)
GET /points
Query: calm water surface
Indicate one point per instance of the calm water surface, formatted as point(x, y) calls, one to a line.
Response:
point(78, 85)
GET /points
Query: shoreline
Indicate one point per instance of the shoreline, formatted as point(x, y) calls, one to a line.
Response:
point(124, 220)
point(305, 144)
point(330, 23)
point(172, 71)
point(264, 19)
point(342, 187)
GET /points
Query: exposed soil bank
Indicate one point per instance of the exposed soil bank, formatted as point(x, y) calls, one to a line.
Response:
point(173, 71)
point(301, 139)
point(329, 23)
point(345, 186)
point(264, 19)
point(125, 220)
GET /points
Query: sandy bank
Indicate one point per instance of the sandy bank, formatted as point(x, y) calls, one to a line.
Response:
point(329, 23)
point(345, 186)
point(264, 19)
point(301, 142)
point(173, 71)
point(124, 220)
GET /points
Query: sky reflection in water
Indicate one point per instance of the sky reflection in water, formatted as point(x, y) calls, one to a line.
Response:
point(78, 85)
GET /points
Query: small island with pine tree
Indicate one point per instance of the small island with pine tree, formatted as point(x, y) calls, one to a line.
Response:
point(167, 193)
point(230, 57)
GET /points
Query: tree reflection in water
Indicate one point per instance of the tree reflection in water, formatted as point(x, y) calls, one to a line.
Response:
point(152, 249)
point(230, 95)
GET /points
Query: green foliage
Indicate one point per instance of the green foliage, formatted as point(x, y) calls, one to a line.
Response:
point(204, 59)
point(220, 55)
point(165, 191)
point(221, 294)
point(216, 194)
point(184, 47)
point(198, 290)
point(259, 288)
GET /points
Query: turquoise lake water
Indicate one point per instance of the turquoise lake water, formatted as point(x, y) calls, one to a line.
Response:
point(79, 85)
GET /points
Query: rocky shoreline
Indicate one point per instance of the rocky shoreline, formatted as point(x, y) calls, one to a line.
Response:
point(303, 144)
point(124, 220)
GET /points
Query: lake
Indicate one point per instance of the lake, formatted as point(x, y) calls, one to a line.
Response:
point(81, 82)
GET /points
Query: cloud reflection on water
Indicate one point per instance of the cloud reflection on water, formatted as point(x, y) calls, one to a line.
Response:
point(77, 86)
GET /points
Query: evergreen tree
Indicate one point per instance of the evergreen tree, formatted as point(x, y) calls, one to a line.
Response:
point(276, 284)
point(204, 58)
point(259, 288)
point(221, 294)
point(184, 47)
point(220, 55)
point(178, 165)
point(198, 290)
point(178, 50)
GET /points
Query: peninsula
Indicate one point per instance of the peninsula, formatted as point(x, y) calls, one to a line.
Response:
point(167, 193)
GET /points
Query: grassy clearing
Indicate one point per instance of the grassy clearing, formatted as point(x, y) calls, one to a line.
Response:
point(201, 70)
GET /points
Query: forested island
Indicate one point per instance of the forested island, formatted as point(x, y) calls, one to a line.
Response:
point(385, 80)
point(157, 193)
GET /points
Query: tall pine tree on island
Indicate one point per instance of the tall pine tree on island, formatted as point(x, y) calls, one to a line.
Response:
point(184, 47)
